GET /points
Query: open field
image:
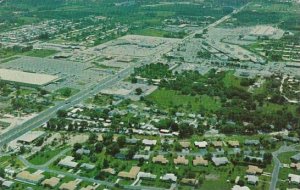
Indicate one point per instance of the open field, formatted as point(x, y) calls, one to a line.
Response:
point(168, 98)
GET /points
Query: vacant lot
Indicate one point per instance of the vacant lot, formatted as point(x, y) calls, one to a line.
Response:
point(169, 98)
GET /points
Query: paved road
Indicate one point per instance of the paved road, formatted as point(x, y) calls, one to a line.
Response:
point(51, 112)
point(278, 164)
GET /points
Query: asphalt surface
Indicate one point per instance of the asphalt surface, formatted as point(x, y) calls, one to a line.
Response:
point(44, 116)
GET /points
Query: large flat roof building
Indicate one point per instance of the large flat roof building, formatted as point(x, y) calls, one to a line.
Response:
point(30, 137)
point(26, 78)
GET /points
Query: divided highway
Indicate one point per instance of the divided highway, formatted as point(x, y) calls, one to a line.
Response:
point(46, 115)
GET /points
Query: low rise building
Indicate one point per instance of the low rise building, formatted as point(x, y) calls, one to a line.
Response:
point(52, 182)
point(201, 144)
point(68, 162)
point(233, 143)
point(131, 174)
point(219, 161)
point(254, 170)
point(200, 161)
point(160, 159)
point(149, 142)
point(169, 177)
point(33, 178)
point(293, 178)
point(252, 179)
point(181, 160)
point(71, 185)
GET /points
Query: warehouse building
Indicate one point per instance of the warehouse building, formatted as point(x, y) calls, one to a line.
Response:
point(26, 78)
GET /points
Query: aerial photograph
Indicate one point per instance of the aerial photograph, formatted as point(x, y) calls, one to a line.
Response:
point(150, 94)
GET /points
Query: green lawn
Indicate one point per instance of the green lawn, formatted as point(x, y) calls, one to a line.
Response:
point(271, 108)
point(151, 32)
point(231, 80)
point(44, 156)
point(40, 53)
point(285, 157)
point(169, 98)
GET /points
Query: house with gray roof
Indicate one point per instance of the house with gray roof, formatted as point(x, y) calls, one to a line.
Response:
point(219, 161)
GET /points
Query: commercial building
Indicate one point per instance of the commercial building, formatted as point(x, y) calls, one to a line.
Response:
point(26, 78)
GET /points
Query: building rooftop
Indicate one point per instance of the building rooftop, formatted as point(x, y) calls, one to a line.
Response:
point(71, 185)
point(201, 144)
point(109, 170)
point(296, 157)
point(181, 160)
point(185, 144)
point(237, 187)
point(252, 179)
point(199, 160)
point(52, 182)
point(68, 162)
point(88, 188)
point(160, 159)
point(254, 170)
point(26, 77)
point(30, 136)
point(294, 178)
point(169, 177)
point(131, 174)
point(32, 178)
point(220, 161)
point(217, 143)
point(149, 142)
point(189, 181)
point(233, 143)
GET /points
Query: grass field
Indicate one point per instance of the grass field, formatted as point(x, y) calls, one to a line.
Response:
point(151, 32)
point(169, 98)
point(40, 53)
point(285, 157)
point(44, 156)
point(230, 80)
point(270, 108)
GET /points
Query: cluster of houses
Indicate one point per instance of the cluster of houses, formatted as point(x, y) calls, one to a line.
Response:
point(38, 178)
point(295, 178)
point(28, 33)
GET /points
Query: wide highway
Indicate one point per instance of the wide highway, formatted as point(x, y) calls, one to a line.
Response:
point(44, 116)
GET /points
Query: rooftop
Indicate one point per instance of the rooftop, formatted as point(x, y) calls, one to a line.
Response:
point(71, 185)
point(26, 77)
point(30, 136)
point(131, 174)
point(27, 176)
point(160, 159)
point(199, 160)
point(52, 182)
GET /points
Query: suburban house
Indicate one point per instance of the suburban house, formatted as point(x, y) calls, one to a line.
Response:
point(296, 158)
point(218, 161)
point(160, 159)
point(131, 174)
point(52, 182)
point(169, 177)
point(189, 181)
point(201, 144)
point(293, 178)
point(33, 178)
point(181, 160)
point(253, 170)
point(252, 179)
point(71, 185)
point(234, 144)
point(68, 162)
point(199, 160)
